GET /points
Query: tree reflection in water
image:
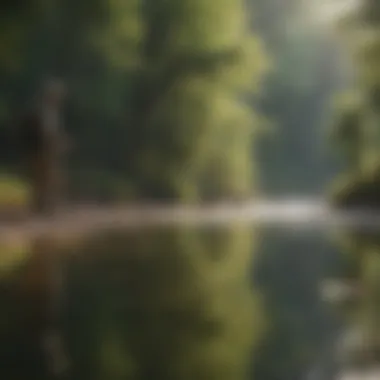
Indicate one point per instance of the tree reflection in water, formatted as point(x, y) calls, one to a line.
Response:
point(169, 303)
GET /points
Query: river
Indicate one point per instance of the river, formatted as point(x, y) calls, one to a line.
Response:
point(224, 292)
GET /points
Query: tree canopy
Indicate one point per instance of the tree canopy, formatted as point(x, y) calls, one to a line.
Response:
point(155, 92)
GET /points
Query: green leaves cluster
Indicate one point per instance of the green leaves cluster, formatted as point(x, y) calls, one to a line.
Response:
point(356, 129)
point(157, 90)
point(197, 60)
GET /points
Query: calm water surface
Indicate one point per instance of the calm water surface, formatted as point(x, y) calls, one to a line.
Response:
point(189, 302)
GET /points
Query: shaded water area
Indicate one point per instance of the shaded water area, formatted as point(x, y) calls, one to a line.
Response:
point(236, 300)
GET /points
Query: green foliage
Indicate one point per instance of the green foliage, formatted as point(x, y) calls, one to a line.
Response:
point(157, 81)
point(344, 133)
point(118, 37)
point(15, 24)
point(196, 60)
point(357, 128)
point(356, 190)
point(14, 193)
point(13, 255)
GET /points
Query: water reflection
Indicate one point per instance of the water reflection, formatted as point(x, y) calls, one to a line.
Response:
point(363, 349)
point(291, 265)
point(191, 302)
point(29, 296)
point(169, 303)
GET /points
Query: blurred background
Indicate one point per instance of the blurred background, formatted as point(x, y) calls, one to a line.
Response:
point(189, 102)
point(282, 59)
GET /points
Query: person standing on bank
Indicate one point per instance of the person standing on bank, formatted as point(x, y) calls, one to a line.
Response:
point(44, 142)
